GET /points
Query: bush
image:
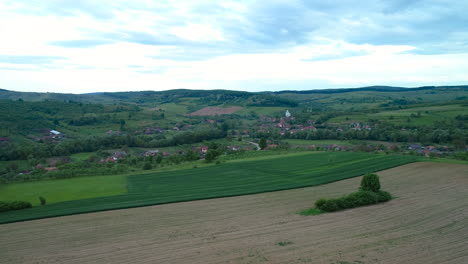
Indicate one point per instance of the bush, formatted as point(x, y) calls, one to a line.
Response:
point(369, 193)
point(384, 196)
point(356, 199)
point(320, 202)
point(13, 205)
point(370, 182)
point(330, 205)
point(147, 166)
point(361, 198)
point(211, 155)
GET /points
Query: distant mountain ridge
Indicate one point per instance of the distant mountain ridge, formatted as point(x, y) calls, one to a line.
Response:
point(169, 95)
point(376, 88)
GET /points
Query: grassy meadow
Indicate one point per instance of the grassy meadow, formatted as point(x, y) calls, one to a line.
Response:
point(64, 189)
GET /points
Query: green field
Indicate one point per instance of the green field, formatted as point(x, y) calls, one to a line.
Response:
point(222, 180)
point(64, 190)
point(419, 116)
point(81, 156)
point(318, 142)
point(263, 110)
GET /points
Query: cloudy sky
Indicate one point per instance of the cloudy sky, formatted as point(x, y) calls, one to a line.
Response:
point(81, 46)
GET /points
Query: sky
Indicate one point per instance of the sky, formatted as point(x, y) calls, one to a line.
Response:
point(84, 46)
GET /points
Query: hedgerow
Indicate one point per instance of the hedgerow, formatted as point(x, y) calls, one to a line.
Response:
point(356, 199)
point(13, 205)
point(369, 193)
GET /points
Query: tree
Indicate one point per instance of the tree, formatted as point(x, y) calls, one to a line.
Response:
point(191, 155)
point(370, 182)
point(262, 144)
point(147, 166)
point(122, 124)
point(42, 200)
point(13, 166)
point(211, 155)
point(158, 159)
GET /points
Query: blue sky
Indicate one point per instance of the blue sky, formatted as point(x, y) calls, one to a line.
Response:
point(94, 46)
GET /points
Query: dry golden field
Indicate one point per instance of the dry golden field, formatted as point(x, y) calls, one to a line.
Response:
point(426, 223)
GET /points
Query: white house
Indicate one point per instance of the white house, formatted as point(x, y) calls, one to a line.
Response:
point(55, 132)
point(287, 114)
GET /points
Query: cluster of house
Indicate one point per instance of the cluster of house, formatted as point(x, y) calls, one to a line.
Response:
point(283, 124)
point(50, 135)
point(41, 167)
point(152, 130)
point(427, 150)
point(116, 156)
point(201, 150)
point(157, 130)
point(358, 126)
point(329, 147)
point(38, 167)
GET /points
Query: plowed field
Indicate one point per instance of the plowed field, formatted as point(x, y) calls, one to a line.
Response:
point(210, 111)
point(426, 223)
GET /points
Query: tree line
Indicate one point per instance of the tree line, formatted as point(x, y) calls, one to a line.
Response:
point(21, 151)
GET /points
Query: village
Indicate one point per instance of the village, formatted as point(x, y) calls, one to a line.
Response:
point(285, 126)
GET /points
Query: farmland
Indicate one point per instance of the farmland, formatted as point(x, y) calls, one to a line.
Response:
point(416, 227)
point(211, 111)
point(222, 180)
point(64, 189)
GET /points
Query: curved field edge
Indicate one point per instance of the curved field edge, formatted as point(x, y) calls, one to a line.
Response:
point(223, 180)
point(418, 227)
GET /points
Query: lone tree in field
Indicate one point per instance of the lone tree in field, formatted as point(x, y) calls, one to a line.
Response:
point(370, 182)
point(42, 200)
point(262, 144)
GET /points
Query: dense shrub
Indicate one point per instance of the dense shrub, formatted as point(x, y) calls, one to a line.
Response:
point(211, 155)
point(370, 182)
point(14, 205)
point(356, 199)
point(328, 205)
point(147, 166)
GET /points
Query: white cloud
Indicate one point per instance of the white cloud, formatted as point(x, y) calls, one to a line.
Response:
point(197, 32)
point(164, 45)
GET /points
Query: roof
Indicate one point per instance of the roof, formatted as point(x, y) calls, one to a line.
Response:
point(55, 132)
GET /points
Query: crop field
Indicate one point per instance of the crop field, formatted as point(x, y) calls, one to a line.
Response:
point(426, 223)
point(81, 156)
point(318, 142)
point(226, 179)
point(64, 189)
point(211, 111)
point(272, 111)
point(419, 116)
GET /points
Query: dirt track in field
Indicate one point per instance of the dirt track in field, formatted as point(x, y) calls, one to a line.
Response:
point(427, 223)
point(210, 111)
